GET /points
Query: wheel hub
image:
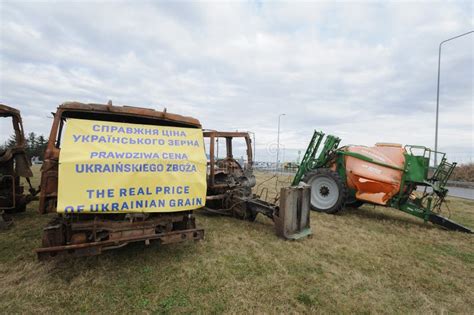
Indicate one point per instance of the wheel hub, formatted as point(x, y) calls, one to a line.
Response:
point(324, 191)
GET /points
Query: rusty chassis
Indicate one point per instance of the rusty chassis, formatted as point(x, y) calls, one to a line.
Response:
point(92, 234)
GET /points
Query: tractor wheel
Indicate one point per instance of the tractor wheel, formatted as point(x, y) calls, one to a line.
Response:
point(328, 191)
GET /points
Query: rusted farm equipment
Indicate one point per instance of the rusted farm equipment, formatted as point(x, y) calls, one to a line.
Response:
point(92, 233)
point(229, 190)
point(386, 174)
point(14, 164)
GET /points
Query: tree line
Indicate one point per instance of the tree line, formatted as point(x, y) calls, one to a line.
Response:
point(35, 144)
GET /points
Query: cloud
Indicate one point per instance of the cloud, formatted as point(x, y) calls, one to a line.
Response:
point(364, 71)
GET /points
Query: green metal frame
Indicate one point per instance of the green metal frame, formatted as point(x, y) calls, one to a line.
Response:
point(310, 161)
point(415, 174)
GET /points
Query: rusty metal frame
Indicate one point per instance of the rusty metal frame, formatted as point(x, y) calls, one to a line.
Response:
point(240, 194)
point(13, 191)
point(7, 111)
point(75, 236)
point(228, 135)
point(233, 196)
point(15, 164)
point(96, 248)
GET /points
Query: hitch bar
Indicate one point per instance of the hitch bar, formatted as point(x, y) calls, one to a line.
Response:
point(448, 224)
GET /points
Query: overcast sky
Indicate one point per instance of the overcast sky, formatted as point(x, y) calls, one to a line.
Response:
point(363, 71)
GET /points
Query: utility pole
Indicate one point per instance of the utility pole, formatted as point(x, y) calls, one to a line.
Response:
point(254, 148)
point(278, 140)
point(437, 93)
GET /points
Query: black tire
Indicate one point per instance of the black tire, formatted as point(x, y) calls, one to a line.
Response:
point(21, 207)
point(328, 181)
point(18, 209)
point(354, 204)
point(251, 215)
point(6, 221)
point(243, 213)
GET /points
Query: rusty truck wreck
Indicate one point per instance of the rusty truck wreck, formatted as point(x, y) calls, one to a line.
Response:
point(230, 183)
point(82, 234)
point(14, 164)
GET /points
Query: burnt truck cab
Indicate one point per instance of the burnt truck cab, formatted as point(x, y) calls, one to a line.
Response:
point(91, 233)
point(14, 164)
point(230, 182)
point(229, 179)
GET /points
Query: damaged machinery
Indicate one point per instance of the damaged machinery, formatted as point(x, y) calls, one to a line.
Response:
point(79, 234)
point(386, 174)
point(14, 164)
point(229, 189)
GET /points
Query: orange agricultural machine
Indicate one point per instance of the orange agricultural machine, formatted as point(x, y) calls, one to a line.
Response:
point(386, 175)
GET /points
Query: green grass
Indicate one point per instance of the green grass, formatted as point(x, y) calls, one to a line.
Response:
point(370, 260)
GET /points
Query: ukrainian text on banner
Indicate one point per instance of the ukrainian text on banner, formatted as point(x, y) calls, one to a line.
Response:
point(109, 167)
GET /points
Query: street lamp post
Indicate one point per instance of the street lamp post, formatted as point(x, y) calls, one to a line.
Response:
point(437, 93)
point(278, 140)
point(254, 148)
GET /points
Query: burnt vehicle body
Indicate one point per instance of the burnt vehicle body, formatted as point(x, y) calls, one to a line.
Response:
point(90, 234)
point(14, 164)
point(230, 183)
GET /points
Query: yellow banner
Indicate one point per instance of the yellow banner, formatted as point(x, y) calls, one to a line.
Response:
point(109, 167)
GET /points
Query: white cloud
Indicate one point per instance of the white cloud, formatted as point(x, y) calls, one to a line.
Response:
point(365, 71)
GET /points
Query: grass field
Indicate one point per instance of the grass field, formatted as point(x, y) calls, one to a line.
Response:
point(370, 260)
